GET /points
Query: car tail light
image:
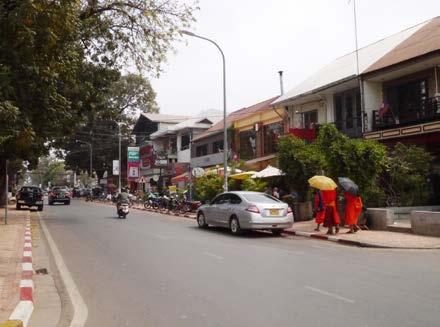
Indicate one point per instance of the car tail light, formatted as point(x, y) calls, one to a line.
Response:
point(253, 209)
point(289, 210)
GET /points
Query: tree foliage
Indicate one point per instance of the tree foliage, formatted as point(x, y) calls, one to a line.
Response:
point(363, 161)
point(299, 161)
point(208, 186)
point(408, 168)
point(59, 59)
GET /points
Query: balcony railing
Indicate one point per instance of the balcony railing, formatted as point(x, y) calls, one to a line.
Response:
point(424, 111)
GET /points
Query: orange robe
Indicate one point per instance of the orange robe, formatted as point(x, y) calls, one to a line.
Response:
point(353, 208)
point(328, 199)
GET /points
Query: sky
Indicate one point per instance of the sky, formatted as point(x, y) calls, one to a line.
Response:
point(261, 37)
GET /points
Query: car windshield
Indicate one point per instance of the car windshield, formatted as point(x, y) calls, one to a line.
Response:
point(30, 189)
point(260, 198)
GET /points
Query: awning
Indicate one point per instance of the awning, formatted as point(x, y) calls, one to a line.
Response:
point(243, 175)
point(269, 171)
point(180, 178)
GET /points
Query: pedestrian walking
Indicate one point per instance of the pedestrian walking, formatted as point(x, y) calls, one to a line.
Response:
point(318, 209)
point(331, 217)
point(353, 209)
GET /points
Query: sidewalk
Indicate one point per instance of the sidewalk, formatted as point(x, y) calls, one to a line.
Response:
point(11, 255)
point(364, 238)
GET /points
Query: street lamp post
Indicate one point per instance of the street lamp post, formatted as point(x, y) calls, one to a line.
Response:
point(120, 163)
point(225, 129)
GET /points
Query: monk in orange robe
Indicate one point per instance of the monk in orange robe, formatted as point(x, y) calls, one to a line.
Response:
point(353, 209)
point(331, 215)
point(319, 209)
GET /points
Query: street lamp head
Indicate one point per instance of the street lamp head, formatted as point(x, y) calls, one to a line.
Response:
point(187, 32)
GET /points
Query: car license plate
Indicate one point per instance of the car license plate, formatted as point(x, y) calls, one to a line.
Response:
point(274, 212)
point(21, 201)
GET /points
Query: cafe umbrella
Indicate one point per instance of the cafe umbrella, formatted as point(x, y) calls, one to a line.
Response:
point(348, 185)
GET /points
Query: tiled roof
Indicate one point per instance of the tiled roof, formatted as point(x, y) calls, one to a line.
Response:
point(233, 116)
point(163, 118)
point(345, 67)
point(424, 41)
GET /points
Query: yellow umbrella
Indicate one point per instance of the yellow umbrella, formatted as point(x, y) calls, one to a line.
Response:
point(244, 175)
point(322, 183)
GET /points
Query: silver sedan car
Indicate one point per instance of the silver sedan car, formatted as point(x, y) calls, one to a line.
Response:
point(241, 210)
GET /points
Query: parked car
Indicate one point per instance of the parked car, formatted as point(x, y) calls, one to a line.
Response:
point(30, 196)
point(59, 194)
point(246, 211)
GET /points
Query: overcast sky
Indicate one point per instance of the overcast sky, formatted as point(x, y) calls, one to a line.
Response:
point(261, 37)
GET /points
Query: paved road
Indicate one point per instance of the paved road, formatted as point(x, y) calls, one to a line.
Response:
point(154, 270)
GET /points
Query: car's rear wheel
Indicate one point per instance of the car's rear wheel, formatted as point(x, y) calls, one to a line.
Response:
point(68, 202)
point(18, 207)
point(276, 232)
point(40, 208)
point(50, 202)
point(201, 221)
point(235, 226)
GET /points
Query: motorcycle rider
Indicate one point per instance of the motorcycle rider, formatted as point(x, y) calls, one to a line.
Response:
point(122, 197)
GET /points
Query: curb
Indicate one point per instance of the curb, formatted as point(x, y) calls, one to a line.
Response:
point(333, 238)
point(23, 311)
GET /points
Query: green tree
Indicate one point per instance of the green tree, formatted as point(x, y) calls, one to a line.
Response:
point(47, 49)
point(408, 170)
point(363, 161)
point(255, 185)
point(208, 186)
point(299, 161)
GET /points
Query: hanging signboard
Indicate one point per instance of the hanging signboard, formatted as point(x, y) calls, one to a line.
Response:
point(133, 154)
point(115, 167)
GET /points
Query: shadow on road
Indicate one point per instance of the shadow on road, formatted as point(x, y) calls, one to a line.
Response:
point(227, 232)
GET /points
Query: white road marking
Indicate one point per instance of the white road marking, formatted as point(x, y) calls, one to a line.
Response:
point(336, 296)
point(22, 312)
point(213, 255)
point(79, 307)
point(27, 245)
point(27, 253)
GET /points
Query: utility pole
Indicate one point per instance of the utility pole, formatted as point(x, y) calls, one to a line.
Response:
point(120, 163)
point(6, 192)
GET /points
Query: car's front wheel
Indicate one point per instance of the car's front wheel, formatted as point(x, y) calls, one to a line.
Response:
point(235, 226)
point(18, 207)
point(201, 221)
point(40, 208)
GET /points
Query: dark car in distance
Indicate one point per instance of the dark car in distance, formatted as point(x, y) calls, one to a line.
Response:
point(59, 194)
point(30, 196)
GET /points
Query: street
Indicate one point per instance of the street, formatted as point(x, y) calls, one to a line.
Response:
point(156, 270)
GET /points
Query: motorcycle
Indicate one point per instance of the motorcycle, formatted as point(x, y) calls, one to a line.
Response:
point(123, 210)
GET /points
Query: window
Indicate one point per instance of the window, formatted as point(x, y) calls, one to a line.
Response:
point(173, 146)
point(248, 147)
point(260, 198)
point(348, 116)
point(272, 132)
point(202, 150)
point(217, 146)
point(185, 142)
point(221, 199)
point(234, 199)
point(310, 118)
point(349, 111)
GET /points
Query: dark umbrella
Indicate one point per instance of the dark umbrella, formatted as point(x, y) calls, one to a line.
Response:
point(348, 185)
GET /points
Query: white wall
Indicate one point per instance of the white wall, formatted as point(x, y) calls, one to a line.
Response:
point(295, 119)
point(184, 156)
point(373, 98)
